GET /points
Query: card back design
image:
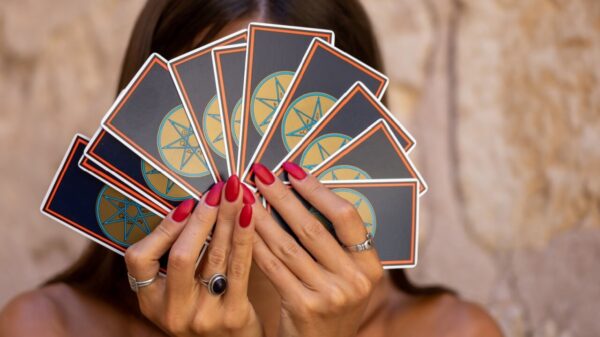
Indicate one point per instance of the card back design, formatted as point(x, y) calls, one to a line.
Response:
point(375, 153)
point(352, 114)
point(229, 65)
point(194, 77)
point(93, 209)
point(133, 175)
point(150, 119)
point(324, 75)
point(389, 211)
point(274, 53)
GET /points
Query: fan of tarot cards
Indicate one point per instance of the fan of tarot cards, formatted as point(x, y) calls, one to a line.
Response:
point(268, 94)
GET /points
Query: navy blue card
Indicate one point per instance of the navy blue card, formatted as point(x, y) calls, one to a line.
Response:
point(389, 210)
point(374, 154)
point(229, 66)
point(93, 209)
point(352, 114)
point(274, 53)
point(193, 74)
point(324, 75)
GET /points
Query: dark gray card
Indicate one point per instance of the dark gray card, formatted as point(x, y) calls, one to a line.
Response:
point(195, 80)
point(150, 119)
point(274, 53)
point(229, 65)
point(374, 154)
point(325, 74)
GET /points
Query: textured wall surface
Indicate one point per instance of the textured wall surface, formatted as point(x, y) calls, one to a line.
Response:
point(503, 97)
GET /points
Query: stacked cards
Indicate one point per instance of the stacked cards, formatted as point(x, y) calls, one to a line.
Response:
point(268, 94)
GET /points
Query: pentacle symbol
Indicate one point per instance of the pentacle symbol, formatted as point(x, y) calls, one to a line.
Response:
point(322, 148)
point(178, 146)
point(344, 172)
point(362, 205)
point(301, 116)
point(212, 128)
point(266, 98)
point(236, 122)
point(162, 185)
point(122, 220)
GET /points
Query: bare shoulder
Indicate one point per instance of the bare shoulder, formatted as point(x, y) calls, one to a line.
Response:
point(34, 313)
point(442, 315)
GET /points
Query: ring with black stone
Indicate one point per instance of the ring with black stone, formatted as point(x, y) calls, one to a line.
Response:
point(216, 284)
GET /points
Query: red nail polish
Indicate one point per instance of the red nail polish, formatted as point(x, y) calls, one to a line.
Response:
point(246, 216)
point(263, 173)
point(248, 195)
point(213, 198)
point(232, 188)
point(183, 210)
point(294, 170)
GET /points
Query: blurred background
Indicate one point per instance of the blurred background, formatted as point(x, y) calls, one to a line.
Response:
point(503, 97)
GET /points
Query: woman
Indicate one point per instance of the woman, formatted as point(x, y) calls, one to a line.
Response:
point(274, 287)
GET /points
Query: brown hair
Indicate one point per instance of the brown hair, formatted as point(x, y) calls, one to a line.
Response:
point(169, 28)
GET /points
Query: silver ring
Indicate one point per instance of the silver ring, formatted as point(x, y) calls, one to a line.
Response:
point(216, 285)
point(135, 285)
point(361, 247)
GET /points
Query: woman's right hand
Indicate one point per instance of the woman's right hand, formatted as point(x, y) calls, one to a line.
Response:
point(179, 303)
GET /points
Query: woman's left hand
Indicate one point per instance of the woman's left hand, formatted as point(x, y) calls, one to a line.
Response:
point(321, 296)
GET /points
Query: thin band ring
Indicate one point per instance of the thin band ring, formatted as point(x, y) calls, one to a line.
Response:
point(135, 285)
point(361, 247)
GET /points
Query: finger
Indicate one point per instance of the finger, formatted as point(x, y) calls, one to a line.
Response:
point(217, 255)
point(186, 249)
point(348, 225)
point(284, 281)
point(142, 258)
point(311, 232)
point(288, 250)
point(240, 260)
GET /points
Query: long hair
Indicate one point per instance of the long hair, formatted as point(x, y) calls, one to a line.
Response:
point(172, 27)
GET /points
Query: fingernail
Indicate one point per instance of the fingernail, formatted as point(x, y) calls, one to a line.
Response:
point(294, 170)
point(232, 188)
point(213, 198)
point(248, 195)
point(263, 173)
point(183, 210)
point(246, 216)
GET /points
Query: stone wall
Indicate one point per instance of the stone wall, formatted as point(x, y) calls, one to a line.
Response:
point(503, 97)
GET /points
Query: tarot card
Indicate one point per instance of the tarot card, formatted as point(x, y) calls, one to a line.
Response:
point(374, 154)
point(140, 177)
point(194, 77)
point(324, 75)
point(274, 53)
point(389, 210)
point(351, 115)
point(229, 65)
point(149, 118)
point(93, 209)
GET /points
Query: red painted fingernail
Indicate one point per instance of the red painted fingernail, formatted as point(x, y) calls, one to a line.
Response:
point(246, 216)
point(294, 170)
point(263, 173)
point(213, 198)
point(248, 195)
point(183, 210)
point(232, 188)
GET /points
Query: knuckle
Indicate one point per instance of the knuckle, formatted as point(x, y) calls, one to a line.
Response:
point(164, 230)
point(282, 196)
point(237, 270)
point(362, 286)
point(234, 320)
point(179, 259)
point(217, 256)
point(290, 249)
point(133, 256)
point(346, 212)
point(313, 229)
point(272, 266)
point(173, 323)
point(201, 325)
point(336, 298)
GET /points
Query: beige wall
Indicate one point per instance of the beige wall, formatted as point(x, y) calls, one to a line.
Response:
point(503, 97)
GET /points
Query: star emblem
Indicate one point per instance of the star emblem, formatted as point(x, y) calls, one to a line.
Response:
point(121, 215)
point(271, 103)
point(182, 143)
point(307, 120)
point(170, 184)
